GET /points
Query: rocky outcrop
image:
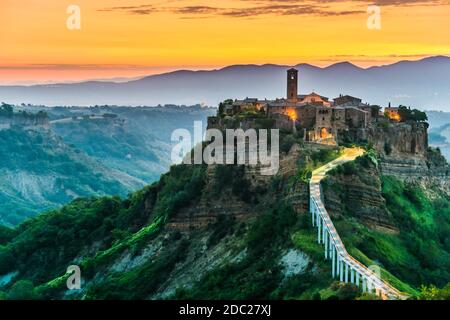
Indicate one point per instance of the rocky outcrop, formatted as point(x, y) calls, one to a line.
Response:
point(404, 151)
point(400, 140)
point(358, 195)
point(26, 121)
point(212, 204)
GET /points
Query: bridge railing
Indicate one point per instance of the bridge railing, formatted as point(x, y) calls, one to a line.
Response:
point(343, 264)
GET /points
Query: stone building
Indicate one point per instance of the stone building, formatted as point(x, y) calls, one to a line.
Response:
point(347, 100)
point(319, 118)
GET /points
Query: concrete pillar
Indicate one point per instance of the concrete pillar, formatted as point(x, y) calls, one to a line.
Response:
point(326, 242)
point(333, 263)
point(364, 284)
point(330, 241)
point(319, 231)
point(312, 211)
point(338, 261)
point(323, 233)
point(357, 279)
point(369, 286)
point(341, 271)
point(346, 273)
point(352, 275)
point(317, 213)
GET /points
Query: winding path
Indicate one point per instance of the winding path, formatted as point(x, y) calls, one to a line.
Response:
point(344, 266)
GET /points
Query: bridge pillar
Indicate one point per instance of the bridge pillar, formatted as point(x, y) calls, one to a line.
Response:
point(352, 275)
point(369, 286)
point(333, 262)
point(338, 262)
point(326, 242)
point(364, 284)
point(357, 279)
point(346, 273)
point(319, 222)
point(318, 219)
point(341, 271)
point(324, 233)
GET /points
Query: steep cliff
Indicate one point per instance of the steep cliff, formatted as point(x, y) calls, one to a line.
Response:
point(355, 190)
point(226, 232)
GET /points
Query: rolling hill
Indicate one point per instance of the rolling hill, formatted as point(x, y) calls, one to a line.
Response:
point(423, 84)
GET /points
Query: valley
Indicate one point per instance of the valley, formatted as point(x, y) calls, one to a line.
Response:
point(82, 152)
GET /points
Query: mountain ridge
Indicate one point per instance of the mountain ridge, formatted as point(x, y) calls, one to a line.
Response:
point(422, 83)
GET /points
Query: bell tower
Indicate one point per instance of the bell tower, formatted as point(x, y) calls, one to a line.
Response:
point(292, 85)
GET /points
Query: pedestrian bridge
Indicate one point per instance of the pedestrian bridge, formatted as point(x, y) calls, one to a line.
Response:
point(343, 266)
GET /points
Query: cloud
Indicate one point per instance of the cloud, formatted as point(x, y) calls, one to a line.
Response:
point(255, 8)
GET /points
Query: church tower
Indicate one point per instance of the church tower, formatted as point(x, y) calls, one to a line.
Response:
point(292, 85)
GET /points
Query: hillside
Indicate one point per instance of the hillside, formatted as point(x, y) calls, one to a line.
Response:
point(225, 232)
point(51, 156)
point(135, 141)
point(414, 83)
point(39, 171)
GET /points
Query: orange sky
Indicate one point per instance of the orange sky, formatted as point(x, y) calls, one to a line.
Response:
point(127, 38)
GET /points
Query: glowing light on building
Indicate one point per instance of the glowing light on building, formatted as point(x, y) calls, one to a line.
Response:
point(291, 113)
point(393, 115)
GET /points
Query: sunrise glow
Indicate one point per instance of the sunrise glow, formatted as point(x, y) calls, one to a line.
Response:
point(129, 38)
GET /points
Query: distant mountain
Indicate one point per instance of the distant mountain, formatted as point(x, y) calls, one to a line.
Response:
point(424, 84)
point(438, 119)
point(439, 134)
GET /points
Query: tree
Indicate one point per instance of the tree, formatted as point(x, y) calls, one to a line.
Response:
point(6, 110)
point(408, 114)
point(223, 104)
point(434, 293)
point(375, 111)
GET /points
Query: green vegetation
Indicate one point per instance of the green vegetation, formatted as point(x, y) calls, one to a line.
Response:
point(126, 250)
point(233, 177)
point(258, 275)
point(408, 114)
point(94, 151)
point(316, 159)
point(131, 286)
point(39, 172)
point(42, 247)
point(434, 293)
point(419, 253)
point(6, 110)
point(424, 228)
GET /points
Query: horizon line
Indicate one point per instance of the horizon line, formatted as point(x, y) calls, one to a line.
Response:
point(175, 69)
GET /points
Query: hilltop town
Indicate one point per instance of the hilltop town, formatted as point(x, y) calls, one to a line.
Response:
point(317, 118)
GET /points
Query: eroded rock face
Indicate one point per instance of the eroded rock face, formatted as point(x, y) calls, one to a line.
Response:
point(358, 195)
point(214, 203)
point(400, 140)
point(404, 152)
